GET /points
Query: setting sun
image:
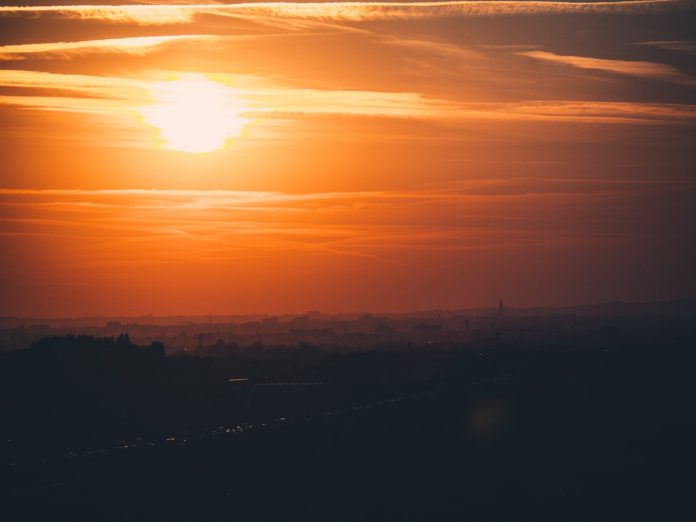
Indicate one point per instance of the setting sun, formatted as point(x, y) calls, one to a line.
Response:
point(194, 114)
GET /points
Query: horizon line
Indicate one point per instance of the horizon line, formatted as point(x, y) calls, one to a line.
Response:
point(494, 307)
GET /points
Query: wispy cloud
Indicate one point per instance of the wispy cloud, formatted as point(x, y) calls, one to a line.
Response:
point(649, 70)
point(682, 46)
point(469, 214)
point(599, 112)
point(130, 45)
point(135, 14)
point(108, 93)
point(342, 11)
point(263, 98)
point(197, 244)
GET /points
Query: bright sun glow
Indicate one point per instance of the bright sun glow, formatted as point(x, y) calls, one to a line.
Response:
point(194, 114)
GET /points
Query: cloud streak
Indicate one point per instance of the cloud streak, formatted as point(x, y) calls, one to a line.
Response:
point(682, 46)
point(130, 45)
point(470, 214)
point(641, 69)
point(266, 100)
point(344, 11)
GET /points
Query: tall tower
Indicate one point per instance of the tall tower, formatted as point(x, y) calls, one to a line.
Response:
point(500, 308)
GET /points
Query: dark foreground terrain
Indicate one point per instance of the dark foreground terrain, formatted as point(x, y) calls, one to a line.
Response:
point(106, 430)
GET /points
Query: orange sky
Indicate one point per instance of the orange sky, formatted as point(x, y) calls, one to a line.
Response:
point(280, 157)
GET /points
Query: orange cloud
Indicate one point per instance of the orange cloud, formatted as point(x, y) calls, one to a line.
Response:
point(209, 249)
point(649, 70)
point(264, 99)
point(682, 46)
point(130, 45)
point(343, 11)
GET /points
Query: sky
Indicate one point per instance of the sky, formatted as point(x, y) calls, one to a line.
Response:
point(345, 156)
